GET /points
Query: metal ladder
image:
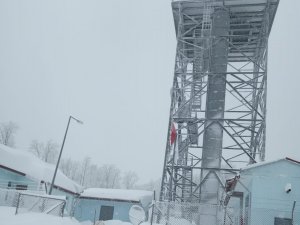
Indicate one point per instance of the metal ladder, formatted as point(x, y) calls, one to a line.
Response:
point(202, 43)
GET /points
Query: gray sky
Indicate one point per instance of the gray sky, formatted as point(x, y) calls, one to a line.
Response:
point(110, 63)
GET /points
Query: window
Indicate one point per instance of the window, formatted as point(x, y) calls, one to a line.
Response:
point(17, 186)
point(21, 187)
point(283, 221)
point(106, 212)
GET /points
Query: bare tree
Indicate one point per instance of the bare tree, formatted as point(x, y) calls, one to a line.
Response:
point(47, 152)
point(76, 171)
point(91, 177)
point(65, 166)
point(130, 179)
point(152, 185)
point(7, 133)
point(110, 176)
point(37, 148)
point(85, 166)
point(51, 152)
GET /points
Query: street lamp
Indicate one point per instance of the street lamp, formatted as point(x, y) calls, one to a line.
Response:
point(62, 147)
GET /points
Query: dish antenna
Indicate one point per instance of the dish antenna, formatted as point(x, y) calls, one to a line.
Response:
point(137, 215)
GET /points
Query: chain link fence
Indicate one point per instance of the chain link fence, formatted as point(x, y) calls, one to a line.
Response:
point(265, 216)
point(171, 213)
point(8, 197)
point(27, 202)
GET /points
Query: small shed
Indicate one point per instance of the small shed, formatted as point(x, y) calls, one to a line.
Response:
point(267, 193)
point(21, 170)
point(110, 204)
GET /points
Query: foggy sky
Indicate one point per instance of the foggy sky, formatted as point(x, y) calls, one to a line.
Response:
point(110, 64)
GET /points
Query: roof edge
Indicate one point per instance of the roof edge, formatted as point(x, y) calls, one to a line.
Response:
point(12, 170)
point(108, 199)
point(252, 166)
point(292, 160)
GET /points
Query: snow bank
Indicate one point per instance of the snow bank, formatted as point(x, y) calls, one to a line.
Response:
point(115, 222)
point(34, 168)
point(9, 218)
point(145, 197)
point(108, 222)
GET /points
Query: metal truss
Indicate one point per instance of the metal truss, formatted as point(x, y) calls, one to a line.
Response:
point(218, 101)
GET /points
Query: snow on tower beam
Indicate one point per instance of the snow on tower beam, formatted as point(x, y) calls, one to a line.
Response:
point(218, 100)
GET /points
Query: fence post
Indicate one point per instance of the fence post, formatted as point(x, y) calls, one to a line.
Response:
point(63, 208)
point(95, 217)
point(293, 210)
point(18, 202)
point(152, 211)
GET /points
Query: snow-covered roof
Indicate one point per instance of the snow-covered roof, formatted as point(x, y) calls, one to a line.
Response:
point(27, 163)
point(255, 165)
point(118, 194)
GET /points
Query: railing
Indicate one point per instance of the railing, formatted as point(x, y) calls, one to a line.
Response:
point(8, 197)
point(29, 202)
point(9, 194)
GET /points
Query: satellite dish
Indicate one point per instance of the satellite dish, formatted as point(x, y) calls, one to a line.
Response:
point(137, 215)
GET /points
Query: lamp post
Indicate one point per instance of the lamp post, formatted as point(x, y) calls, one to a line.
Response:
point(62, 147)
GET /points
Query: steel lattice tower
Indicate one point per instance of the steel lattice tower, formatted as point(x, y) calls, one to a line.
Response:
point(218, 101)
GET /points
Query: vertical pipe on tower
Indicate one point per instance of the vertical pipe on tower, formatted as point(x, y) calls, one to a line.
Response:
point(215, 104)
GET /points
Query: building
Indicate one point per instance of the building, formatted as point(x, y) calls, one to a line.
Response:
point(21, 170)
point(110, 204)
point(266, 193)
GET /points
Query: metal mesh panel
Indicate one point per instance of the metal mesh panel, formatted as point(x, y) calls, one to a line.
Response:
point(18, 185)
point(39, 203)
point(172, 213)
point(8, 197)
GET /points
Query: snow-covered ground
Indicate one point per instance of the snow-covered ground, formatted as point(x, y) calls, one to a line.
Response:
point(8, 217)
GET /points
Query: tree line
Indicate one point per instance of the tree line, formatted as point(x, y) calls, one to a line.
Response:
point(89, 174)
point(84, 172)
point(7, 133)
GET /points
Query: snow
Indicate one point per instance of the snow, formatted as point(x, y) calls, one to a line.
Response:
point(145, 197)
point(116, 222)
point(43, 195)
point(34, 168)
point(8, 217)
point(269, 162)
